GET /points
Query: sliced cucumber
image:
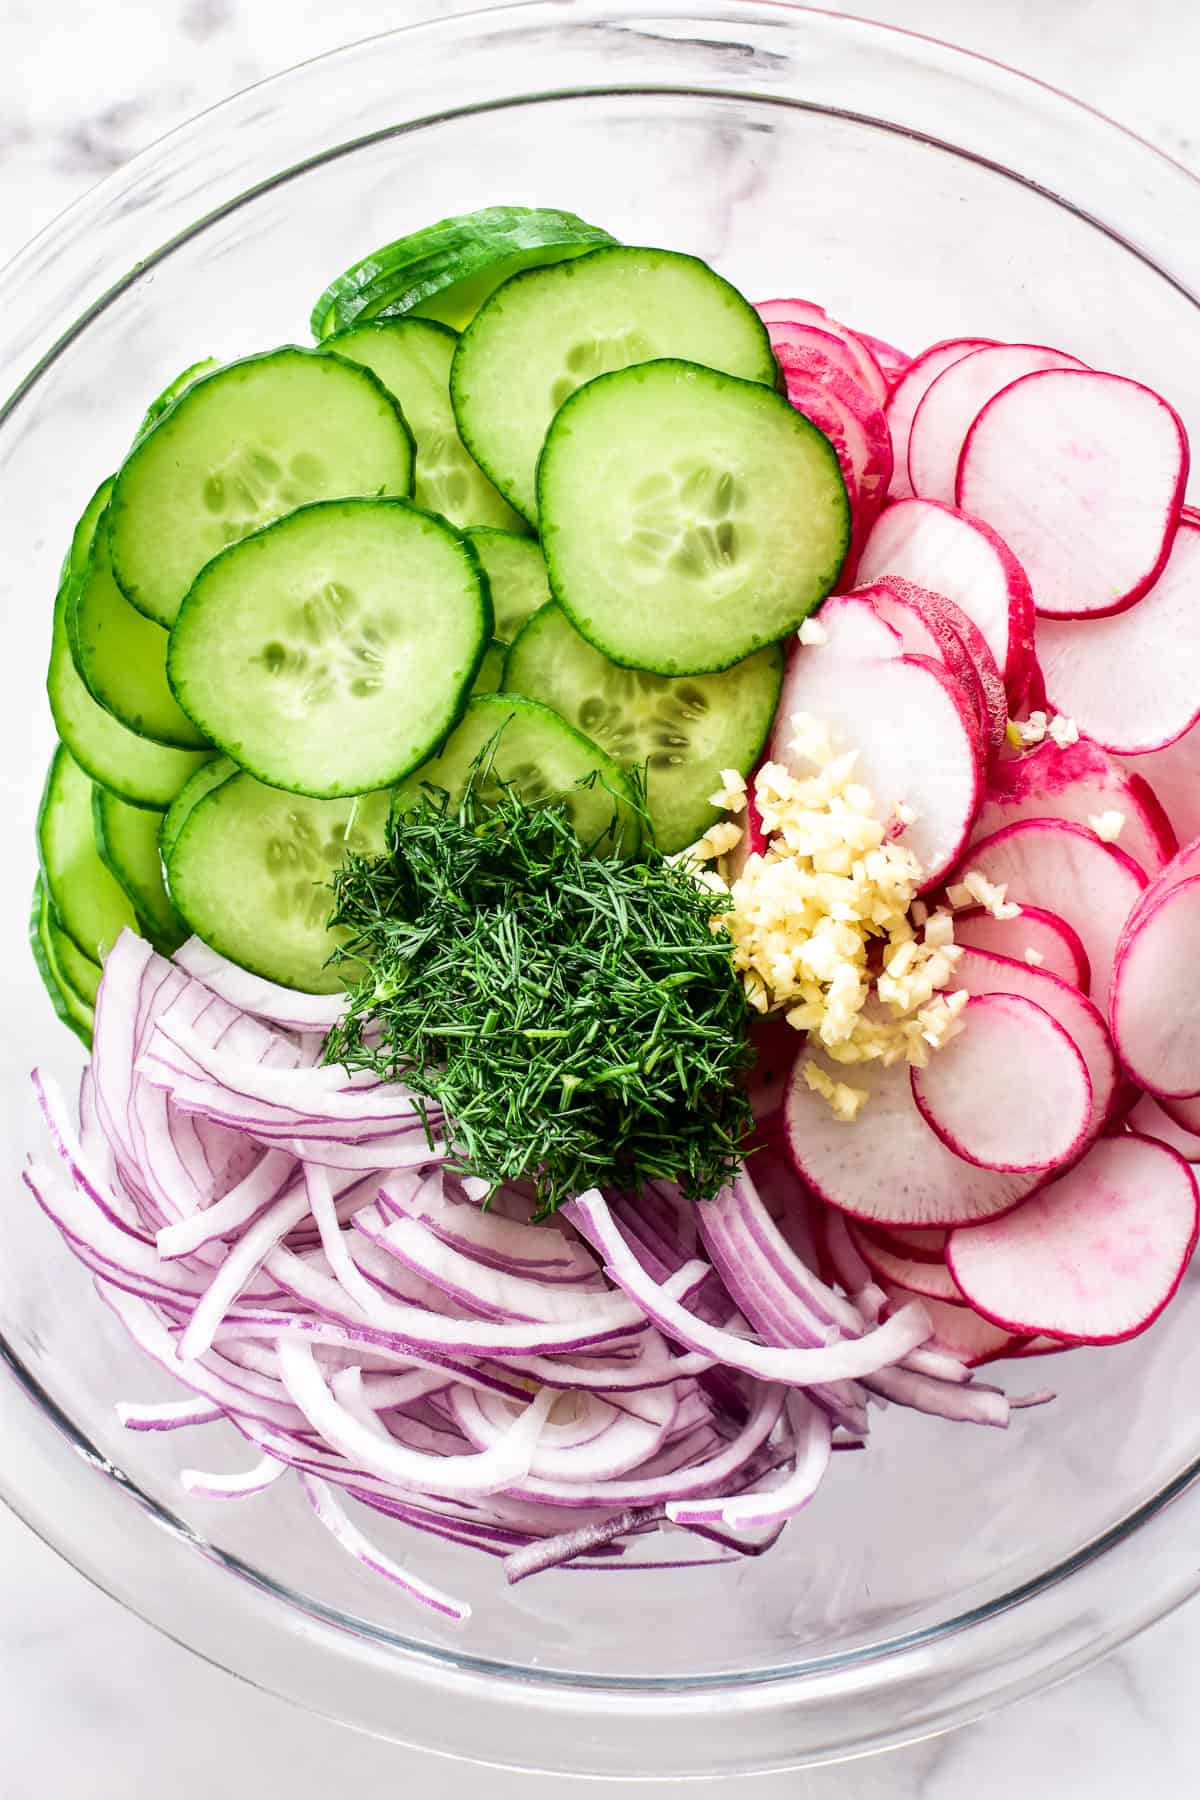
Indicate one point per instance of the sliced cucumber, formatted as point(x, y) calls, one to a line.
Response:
point(516, 572)
point(240, 448)
point(92, 908)
point(544, 758)
point(330, 653)
point(170, 394)
point(80, 972)
point(412, 358)
point(122, 656)
point(127, 840)
point(688, 517)
point(211, 775)
point(491, 671)
point(447, 270)
point(547, 332)
point(73, 1007)
point(250, 871)
point(684, 729)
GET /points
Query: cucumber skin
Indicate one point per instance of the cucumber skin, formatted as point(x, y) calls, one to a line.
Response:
point(178, 684)
point(219, 769)
point(166, 932)
point(75, 1012)
point(118, 502)
point(719, 666)
point(50, 794)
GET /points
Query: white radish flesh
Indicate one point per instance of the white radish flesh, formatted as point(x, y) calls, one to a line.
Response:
point(1083, 476)
point(1066, 869)
point(1150, 1118)
point(954, 401)
point(1155, 1000)
point(939, 548)
point(1011, 1091)
point(1079, 782)
point(908, 393)
point(981, 973)
point(1132, 681)
point(1095, 1256)
point(957, 1327)
point(925, 624)
point(1173, 775)
point(888, 1166)
point(1035, 936)
point(932, 1280)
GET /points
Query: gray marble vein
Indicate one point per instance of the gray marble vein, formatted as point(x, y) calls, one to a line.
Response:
point(94, 1705)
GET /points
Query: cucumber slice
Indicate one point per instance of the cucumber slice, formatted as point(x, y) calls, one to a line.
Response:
point(547, 332)
point(412, 358)
point(688, 518)
point(74, 1008)
point(250, 871)
point(211, 775)
point(170, 394)
point(92, 909)
point(127, 840)
point(516, 572)
point(491, 671)
point(122, 656)
point(240, 448)
point(447, 270)
point(331, 653)
point(543, 758)
point(78, 971)
point(684, 729)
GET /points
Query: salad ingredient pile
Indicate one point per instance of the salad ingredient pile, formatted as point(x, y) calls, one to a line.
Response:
point(619, 856)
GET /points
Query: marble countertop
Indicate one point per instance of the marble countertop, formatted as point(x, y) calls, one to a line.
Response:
point(94, 1704)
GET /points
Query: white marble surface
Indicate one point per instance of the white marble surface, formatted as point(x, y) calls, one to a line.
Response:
point(94, 1705)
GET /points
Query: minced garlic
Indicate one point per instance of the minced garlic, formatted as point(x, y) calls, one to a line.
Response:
point(834, 882)
point(1107, 826)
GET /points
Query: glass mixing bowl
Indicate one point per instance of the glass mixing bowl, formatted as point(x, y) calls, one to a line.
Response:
point(917, 192)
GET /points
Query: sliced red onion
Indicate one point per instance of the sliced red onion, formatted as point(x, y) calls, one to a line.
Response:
point(278, 1005)
point(233, 1487)
point(233, 1212)
point(168, 1415)
point(331, 1514)
point(766, 1510)
point(552, 1553)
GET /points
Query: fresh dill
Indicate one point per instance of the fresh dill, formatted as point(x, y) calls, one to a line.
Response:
point(573, 1016)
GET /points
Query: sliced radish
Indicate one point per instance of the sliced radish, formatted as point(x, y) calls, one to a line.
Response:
point(957, 1327)
point(910, 1241)
point(849, 417)
point(980, 972)
point(1183, 1113)
point(1151, 1119)
point(888, 1166)
point(1155, 999)
point(1078, 782)
point(1095, 1256)
point(1042, 1346)
point(801, 334)
point(942, 549)
point(932, 1280)
point(864, 366)
point(916, 734)
point(908, 393)
point(1066, 869)
point(1010, 1092)
point(1083, 476)
point(1035, 936)
point(953, 402)
point(925, 623)
point(1173, 775)
point(991, 681)
point(893, 362)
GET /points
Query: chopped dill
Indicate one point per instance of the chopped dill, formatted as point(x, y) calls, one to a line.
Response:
point(572, 1015)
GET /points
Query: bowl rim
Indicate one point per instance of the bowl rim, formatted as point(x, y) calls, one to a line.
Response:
point(805, 1713)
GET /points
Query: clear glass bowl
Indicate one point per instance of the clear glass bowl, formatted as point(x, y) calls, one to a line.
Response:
point(918, 193)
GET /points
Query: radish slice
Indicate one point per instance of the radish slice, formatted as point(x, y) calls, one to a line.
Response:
point(925, 624)
point(800, 334)
point(889, 1167)
point(957, 1327)
point(981, 973)
point(913, 727)
point(892, 361)
point(1132, 681)
point(1079, 782)
point(865, 369)
point(1095, 1256)
point(850, 419)
point(931, 1280)
point(908, 393)
point(1083, 476)
point(945, 551)
point(1155, 1001)
point(1173, 775)
point(1066, 869)
point(1035, 936)
point(907, 1240)
point(1010, 1092)
point(1150, 1118)
point(953, 402)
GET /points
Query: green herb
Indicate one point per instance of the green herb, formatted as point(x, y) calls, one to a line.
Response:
point(572, 1015)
